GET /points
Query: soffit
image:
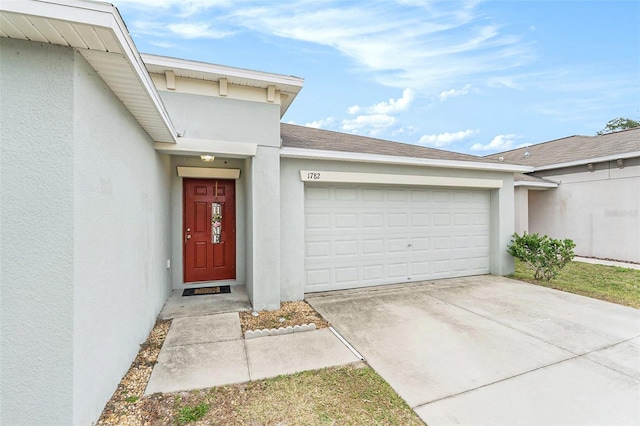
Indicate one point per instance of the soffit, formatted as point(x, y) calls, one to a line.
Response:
point(286, 84)
point(98, 32)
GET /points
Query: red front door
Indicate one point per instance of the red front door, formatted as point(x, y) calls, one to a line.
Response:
point(204, 259)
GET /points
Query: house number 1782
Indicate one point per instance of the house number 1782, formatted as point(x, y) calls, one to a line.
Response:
point(313, 175)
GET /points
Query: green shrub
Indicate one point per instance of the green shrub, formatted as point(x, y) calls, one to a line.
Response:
point(544, 255)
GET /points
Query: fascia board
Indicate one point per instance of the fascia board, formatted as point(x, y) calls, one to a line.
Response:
point(91, 13)
point(98, 14)
point(392, 179)
point(583, 162)
point(530, 184)
point(141, 71)
point(192, 146)
point(255, 76)
point(317, 154)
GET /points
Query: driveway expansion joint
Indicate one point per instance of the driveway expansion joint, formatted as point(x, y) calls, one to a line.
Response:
point(497, 381)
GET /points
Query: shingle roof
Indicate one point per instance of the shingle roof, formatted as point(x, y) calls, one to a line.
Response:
point(294, 136)
point(521, 177)
point(574, 148)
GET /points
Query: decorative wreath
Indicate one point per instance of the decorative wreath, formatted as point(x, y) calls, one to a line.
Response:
point(215, 220)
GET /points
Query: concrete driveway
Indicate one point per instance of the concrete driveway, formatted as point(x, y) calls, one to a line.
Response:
point(493, 351)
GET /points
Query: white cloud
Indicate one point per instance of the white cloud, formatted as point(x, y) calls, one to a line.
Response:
point(163, 44)
point(394, 105)
point(197, 30)
point(446, 138)
point(499, 143)
point(423, 46)
point(391, 106)
point(453, 92)
point(181, 8)
point(370, 125)
point(318, 124)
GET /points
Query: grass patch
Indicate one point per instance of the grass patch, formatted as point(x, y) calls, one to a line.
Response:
point(347, 395)
point(192, 414)
point(610, 283)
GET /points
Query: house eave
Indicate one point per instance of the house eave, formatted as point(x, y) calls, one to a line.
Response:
point(316, 154)
point(285, 84)
point(98, 32)
point(586, 161)
point(217, 148)
point(535, 185)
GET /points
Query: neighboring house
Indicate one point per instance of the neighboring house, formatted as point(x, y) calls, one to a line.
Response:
point(107, 202)
point(586, 188)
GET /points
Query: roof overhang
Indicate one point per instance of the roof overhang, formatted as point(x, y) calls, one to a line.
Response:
point(535, 185)
point(217, 148)
point(288, 86)
point(317, 154)
point(98, 32)
point(586, 161)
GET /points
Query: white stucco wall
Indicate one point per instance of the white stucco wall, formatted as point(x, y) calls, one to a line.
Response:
point(178, 220)
point(521, 209)
point(264, 283)
point(85, 219)
point(36, 134)
point(599, 210)
point(292, 214)
point(121, 237)
point(216, 118)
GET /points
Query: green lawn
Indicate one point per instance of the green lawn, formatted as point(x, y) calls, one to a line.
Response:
point(349, 395)
point(610, 283)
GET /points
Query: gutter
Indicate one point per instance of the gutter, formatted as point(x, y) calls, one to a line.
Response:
point(584, 162)
point(318, 154)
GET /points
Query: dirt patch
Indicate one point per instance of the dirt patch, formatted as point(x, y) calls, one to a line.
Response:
point(289, 314)
point(226, 404)
point(347, 395)
point(124, 408)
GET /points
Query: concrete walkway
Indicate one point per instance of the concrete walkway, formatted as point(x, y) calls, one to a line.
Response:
point(493, 351)
point(209, 350)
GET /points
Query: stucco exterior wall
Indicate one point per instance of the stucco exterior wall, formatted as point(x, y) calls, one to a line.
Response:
point(292, 214)
point(263, 285)
point(217, 118)
point(36, 314)
point(598, 210)
point(178, 219)
point(121, 240)
point(85, 236)
point(521, 213)
point(208, 117)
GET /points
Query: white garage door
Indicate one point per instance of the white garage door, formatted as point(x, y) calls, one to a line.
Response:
point(372, 235)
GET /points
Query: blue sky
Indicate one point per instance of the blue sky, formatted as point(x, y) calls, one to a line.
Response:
point(467, 76)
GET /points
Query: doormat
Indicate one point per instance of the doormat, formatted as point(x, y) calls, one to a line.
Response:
point(202, 291)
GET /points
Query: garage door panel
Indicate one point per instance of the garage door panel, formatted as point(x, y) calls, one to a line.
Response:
point(362, 236)
point(369, 194)
point(315, 249)
point(346, 248)
point(398, 270)
point(316, 193)
point(373, 246)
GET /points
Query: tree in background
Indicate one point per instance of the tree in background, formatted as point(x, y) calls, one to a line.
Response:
point(618, 124)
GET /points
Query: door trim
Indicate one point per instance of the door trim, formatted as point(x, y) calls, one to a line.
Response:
point(231, 237)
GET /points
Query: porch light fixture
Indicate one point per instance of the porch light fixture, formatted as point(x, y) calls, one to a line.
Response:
point(207, 158)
